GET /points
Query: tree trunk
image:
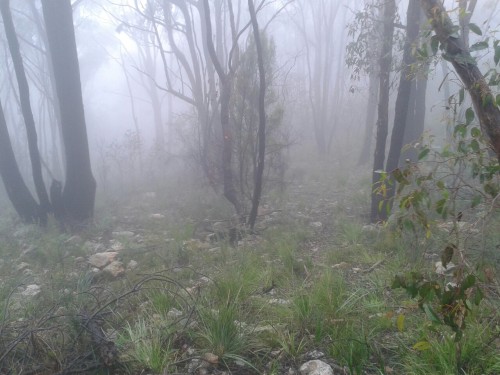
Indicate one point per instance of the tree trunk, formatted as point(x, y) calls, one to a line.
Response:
point(402, 103)
point(226, 83)
point(262, 118)
point(24, 95)
point(465, 66)
point(383, 105)
point(17, 191)
point(371, 112)
point(80, 186)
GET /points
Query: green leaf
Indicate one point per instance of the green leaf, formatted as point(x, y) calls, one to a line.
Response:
point(474, 145)
point(468, 282)
point(400, 322)
point(478, 296)
point(460, 129)
point(469, 115)
point(431, 314)
point(496, 57)
point(447, 254)
point(475, 132)
point(422, 345)
point(461, 96)
point(475, 29)
point(423, 153)
point(478, 46)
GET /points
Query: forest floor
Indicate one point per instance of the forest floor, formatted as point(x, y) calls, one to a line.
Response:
point(163, 284)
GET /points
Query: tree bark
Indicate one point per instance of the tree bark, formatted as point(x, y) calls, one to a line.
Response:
point(257, 191)
point(225, 81)
point(24, 95)
point(383, 105)
point(80, 185)
point(466, 67)
point(402, 104)
point(17, 191)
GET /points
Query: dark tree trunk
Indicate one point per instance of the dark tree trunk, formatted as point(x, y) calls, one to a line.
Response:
point(24, 95)
point(402, 103)
point(262, 118)
point(383, 105)
point(17, 191)
point(416, 118)
point(466, 68)
point(371, 112)
point(226, 83)
point(80, 185)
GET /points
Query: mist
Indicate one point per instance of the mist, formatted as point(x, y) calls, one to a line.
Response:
point(249, 187)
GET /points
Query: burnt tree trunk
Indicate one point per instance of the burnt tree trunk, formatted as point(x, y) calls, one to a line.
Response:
point(257, 191)
point(402, 103)
point(17, 191)
point(466, 67)
point(80, 185)
point(29, 121)
point(383, 105)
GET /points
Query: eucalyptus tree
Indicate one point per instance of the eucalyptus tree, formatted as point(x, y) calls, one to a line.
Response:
point(402, 103)
point(78, 195)
point(24, 94)
point(385, 62)
point(458, 54)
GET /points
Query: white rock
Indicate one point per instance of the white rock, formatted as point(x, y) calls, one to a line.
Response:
point(101, 260)
point(31, 290)
point(21, 266)
point(132, 265)
point(316, 367)
point(114, 269)
point(316, 224)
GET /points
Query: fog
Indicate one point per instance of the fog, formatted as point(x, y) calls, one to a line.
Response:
point(141, 83)
point(216, 187)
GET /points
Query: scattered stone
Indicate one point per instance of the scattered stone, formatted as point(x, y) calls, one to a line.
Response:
point(101, 260)
point(315, 354)
point(27, 272)
point(31, 290)
point(157, 216)
point(356, 269)
point(123, 233)
point(114, 269)
point(316, 224)
point(22, 266)
point(116, 246)
point(316, 367)
point(341, 265)
point(132, 265)
point(211, 358)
